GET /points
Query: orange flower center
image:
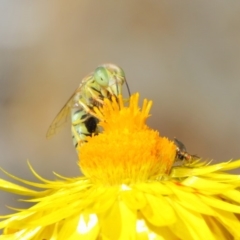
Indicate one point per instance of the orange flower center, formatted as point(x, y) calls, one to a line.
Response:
point(128, 150)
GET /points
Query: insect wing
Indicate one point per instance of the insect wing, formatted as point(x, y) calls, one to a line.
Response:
point(180, 145)
point(61, 117)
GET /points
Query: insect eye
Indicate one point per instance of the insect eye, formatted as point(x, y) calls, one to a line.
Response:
point(101, 76)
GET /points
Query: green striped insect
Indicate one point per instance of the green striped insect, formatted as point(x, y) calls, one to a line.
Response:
point(106, 81)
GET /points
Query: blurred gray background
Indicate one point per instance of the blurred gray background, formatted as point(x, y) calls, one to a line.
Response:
point(184, 55)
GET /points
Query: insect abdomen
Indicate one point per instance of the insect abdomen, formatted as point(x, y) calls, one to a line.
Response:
point(83, 125)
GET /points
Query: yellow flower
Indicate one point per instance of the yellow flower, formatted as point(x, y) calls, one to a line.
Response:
point(131, 190)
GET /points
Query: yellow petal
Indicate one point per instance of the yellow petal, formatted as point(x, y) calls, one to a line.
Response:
point(134, 199)
point(145, 233)
point(229, 221)
point(207, 185)
point(84, 226)
point(119, 222)
point(191, 201)
point(233, 195)
point(197, 227)
point(219, 230)
point(220, 204)
point(158, 211)
point(14, 188)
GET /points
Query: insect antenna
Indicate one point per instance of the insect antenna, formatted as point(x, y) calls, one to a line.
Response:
point(128, 89)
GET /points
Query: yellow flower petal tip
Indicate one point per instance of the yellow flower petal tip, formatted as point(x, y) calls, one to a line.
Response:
point(127, 150)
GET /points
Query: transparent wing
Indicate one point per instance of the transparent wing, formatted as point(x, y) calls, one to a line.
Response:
point(180, 145)
point(61, 117)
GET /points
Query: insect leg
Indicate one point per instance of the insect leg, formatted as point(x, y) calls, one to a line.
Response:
point(96, 93)
point(89, 112)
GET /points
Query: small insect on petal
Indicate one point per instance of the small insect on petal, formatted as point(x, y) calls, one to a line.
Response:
point(181, 152)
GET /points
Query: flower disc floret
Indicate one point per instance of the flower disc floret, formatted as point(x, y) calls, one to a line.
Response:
point(127, 150)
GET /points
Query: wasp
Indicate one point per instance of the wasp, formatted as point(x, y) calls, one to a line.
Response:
point(106, 81)
point(181, 152)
